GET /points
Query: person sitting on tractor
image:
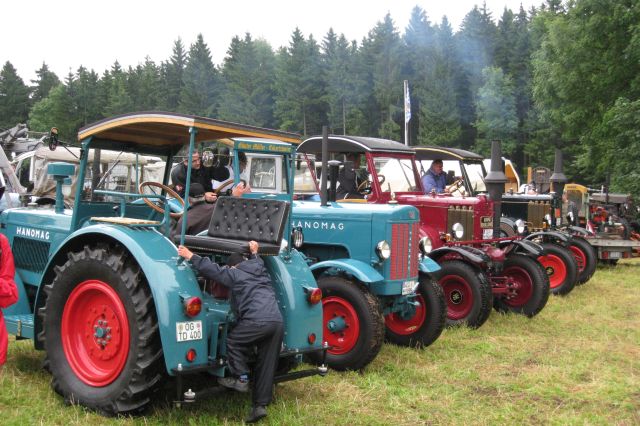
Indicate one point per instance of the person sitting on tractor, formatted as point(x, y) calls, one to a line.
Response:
point(199, 213)
point(348, 178)
point(8, 292)
point(200, 174)
point(435, 179)
point(259, 323)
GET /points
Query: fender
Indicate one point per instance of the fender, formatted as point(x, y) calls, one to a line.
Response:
point(509, 221)
point(469, 254)
point(528, 248)
point(168, 280)
point(557, 236)
point(579, 231)
point(363, 272)
point(428, 265)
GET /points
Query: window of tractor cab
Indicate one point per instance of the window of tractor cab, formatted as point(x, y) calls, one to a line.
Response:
point(453, 170)
point(303, 182)
point(395, 174)
point(267, 173)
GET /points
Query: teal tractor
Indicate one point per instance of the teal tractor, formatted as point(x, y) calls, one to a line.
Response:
point(366, 260)
point(103, 292)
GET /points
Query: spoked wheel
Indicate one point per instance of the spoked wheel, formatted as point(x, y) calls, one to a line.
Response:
point(561, 268)
point(353, 323)
point(424, 324)
point(585, 256)
point(100, 332)
point(529, 284)
point(467, 293)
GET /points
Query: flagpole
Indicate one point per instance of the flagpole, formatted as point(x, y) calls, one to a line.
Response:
point(407, 112)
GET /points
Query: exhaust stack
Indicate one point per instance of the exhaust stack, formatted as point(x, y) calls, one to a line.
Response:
point(323, 172)
point(558, 180)
point(495, 181)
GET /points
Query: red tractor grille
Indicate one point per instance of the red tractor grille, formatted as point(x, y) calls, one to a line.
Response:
point(404, 248)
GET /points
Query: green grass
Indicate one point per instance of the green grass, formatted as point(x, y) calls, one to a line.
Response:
point(578, 362)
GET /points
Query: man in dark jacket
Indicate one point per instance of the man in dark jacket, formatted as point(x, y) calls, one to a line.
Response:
point(199, 214)
point(199, 174)
point(259, 322)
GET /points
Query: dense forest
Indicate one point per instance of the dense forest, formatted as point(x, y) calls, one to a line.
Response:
point(563, 74)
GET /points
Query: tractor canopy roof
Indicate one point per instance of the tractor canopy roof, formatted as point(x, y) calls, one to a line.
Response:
point(443, 153)
point(166, 132)
point(357, 144)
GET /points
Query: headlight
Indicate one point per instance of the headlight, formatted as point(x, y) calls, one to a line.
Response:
point(297, 237)
point(547, 218)
point(383, 250)
point(458, 230)
point(520, 226)
point(425, 245)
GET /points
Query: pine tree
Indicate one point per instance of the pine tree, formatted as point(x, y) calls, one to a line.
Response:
point(118, 100)
point(56, 110)
point(199, 94)
point(14, 97)
point(86, 96)
point(172, 77)
point(45, 81)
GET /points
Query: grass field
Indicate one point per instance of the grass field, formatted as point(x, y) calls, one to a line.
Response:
point(578, 362)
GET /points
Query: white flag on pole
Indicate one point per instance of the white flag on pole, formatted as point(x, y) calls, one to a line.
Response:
point(407, 102)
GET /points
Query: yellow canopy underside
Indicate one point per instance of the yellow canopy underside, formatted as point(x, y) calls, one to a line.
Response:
point(168, 129)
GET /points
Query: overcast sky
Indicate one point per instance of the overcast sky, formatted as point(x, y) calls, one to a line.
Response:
point(68, 33)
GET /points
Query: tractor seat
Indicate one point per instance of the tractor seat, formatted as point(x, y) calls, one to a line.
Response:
point(236, 221)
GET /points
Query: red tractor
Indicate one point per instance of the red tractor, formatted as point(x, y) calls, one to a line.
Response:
point(479, 269)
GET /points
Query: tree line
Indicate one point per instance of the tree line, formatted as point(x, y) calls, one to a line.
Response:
point(563, 74)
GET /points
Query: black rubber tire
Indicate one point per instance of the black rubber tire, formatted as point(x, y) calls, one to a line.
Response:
point(370, 317)
point(564, 255)
point(480, 288)
point(434, 321)
point(539, 290)
point(506, 230)
point(589, 254)
point(130, 391)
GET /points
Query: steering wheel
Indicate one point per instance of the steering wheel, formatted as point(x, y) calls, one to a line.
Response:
point(155, 205)
point(456, 186)
point(366, 184)
point(224, 184)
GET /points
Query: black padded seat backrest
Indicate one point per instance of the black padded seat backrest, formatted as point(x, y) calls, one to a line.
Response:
point(249, 219)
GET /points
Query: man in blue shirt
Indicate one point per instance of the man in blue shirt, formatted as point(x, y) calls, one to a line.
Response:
point(435, 178)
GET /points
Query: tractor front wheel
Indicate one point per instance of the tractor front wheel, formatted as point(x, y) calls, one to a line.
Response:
point(531, 285)
point(353, 323)
point(467, 293)
point(427, 322)
point(561, 268)
point(100, 332)
point(586, 258)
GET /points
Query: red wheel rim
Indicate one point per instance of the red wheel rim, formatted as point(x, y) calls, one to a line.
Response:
point(344, 340)
point(581, 258)
point(95, 333)
point(523, 283)
point(404, 327)
point(556, 269)
point(459, 296)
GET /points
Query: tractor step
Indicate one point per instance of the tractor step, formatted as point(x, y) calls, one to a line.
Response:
point(20, 325)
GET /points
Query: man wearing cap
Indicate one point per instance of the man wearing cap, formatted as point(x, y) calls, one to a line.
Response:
point(259, 323)
point(435, 179)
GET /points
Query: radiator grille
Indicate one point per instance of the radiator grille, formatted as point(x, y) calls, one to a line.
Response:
point(404, 251)
point(30, 254)
point(464, 216)
point(536, 210)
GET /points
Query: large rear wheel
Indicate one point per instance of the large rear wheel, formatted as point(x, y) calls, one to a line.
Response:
point(561, 268)
point(353, 323)
point(586, 258)
point(530, 286)
point(100, 332)
point(467, 293)
point(425, 323)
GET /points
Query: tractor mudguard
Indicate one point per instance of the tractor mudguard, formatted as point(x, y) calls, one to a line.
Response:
point(470, 254)
point(548, 236)
point(528, 248)
point(428, 266)
point(579, 231)
point(509, 221)
point(169, 281)
point(363, 272)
